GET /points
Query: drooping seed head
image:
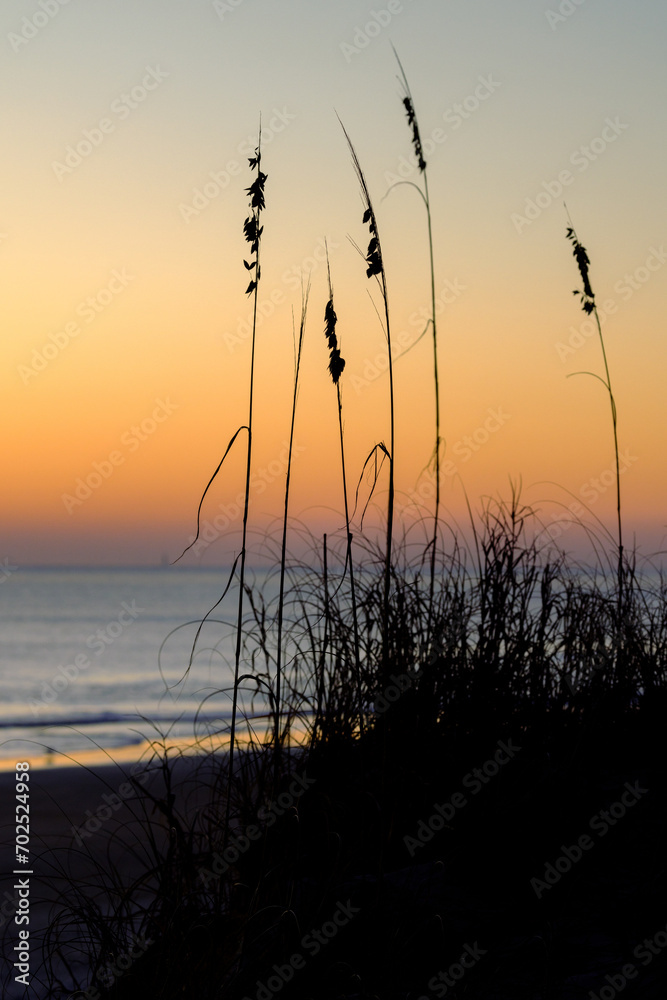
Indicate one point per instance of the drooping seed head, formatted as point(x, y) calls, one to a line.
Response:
point(411, 116)
point(330, 320)
point(336, 362)
point(374, 253)
point(587, 296)
point(416, 138)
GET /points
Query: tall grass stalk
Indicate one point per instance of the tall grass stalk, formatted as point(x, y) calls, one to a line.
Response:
point(336, 366)
point(587, 298)
point(375, 268)
point(253, 235)
point(319, 719)
point(411, 116)
point(283, 549)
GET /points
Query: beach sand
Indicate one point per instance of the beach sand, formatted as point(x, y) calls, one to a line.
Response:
point(86, 825)
point(85, 830)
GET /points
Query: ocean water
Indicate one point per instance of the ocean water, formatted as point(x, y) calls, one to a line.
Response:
point(96, 660)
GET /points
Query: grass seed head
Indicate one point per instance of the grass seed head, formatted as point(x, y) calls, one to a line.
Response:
point(583, 261)
point(336, 363)
point(251, 227)
point(416, 138)
point(411, 116)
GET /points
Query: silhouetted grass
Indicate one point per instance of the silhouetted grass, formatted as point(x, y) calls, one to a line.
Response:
point(411, 115)
point(336, 368)
point(524, 652)
point(588, 304)
point(376, 269)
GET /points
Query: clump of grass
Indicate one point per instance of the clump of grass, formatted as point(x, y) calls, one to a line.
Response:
point(521, 656)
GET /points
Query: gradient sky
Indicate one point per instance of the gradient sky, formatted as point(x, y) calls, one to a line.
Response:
point(124, 346)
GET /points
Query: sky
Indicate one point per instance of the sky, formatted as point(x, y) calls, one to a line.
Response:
point(126, 131)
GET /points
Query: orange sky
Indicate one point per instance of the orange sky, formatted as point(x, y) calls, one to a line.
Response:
point(126, 352)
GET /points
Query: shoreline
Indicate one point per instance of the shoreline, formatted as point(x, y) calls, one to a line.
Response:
point(130, 752)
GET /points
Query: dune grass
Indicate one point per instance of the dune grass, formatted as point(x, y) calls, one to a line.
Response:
point(525, 655)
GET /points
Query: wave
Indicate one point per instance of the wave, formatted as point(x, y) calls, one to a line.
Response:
point(107, 718)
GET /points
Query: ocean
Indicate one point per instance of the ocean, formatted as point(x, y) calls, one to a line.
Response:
point(94, 662)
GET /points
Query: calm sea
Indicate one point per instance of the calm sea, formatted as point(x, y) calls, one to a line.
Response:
point(96, 660)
